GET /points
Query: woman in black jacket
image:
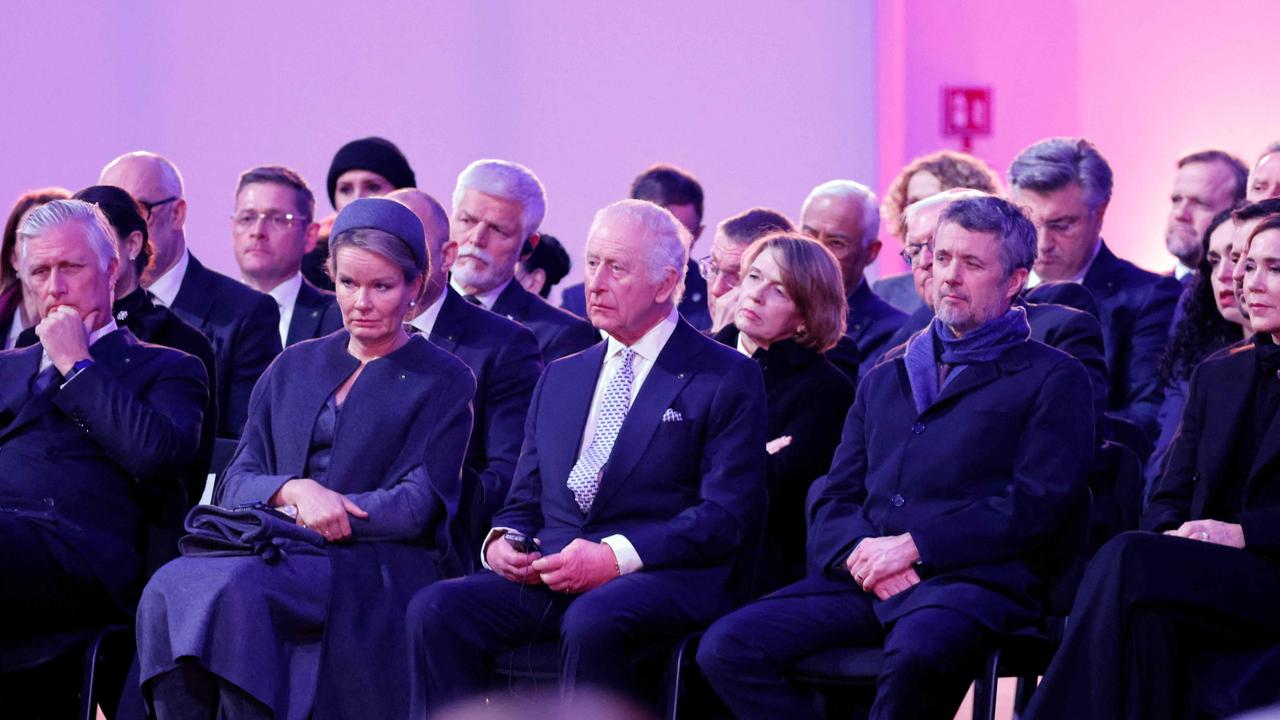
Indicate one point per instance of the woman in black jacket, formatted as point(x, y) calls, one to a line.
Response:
point(1157, 608)
point(791, 309)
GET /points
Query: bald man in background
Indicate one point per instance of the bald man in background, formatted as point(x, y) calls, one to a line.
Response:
point(241, 323)
point(503, 355)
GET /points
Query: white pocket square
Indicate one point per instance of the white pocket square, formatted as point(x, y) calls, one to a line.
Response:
point(672, 415)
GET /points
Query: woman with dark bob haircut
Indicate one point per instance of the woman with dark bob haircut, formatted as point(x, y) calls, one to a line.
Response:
point(791, 309)
point(339, 504)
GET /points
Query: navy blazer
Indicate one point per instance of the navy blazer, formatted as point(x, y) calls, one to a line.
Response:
point(980, 479)
point(1136, 313)
point(693, 304)
point(505, 360)
point(315, 314)
point(1217, 411)
point(559, 333)
point(871, 323)
point(899, 291)
point(685, 482)
point(244, 327)
point(77, 459)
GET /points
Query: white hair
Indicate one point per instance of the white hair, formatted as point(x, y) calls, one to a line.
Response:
point(666, 239)
point(509, 181)
point(98, 230)
point(170, 178)
point(856, 191)
point(944, 198)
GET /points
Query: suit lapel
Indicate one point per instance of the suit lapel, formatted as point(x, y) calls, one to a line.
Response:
point(978, 375)
point(668, 376)
point(307, 312)
point(512, 302)
point(15, 396)
point(449, 326)
point(583, 373)
point(195, 295)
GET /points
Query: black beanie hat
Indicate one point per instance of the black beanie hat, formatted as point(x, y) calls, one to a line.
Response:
point(375, 155)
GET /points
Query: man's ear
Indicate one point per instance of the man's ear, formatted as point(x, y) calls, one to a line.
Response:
point(313, 236)
point(667, 288)
point(448, 255)
point(873, 251)
point(180, 212)
point(1017, 281)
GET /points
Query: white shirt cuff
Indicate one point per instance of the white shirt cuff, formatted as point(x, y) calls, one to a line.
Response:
point(628, 559)
point(494, 534)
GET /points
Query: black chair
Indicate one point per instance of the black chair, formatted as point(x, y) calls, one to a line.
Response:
point(48, 660)
point(1127, 433)
point(1025, 657)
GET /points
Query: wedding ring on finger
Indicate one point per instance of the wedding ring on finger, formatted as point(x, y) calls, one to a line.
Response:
point(1203, 535)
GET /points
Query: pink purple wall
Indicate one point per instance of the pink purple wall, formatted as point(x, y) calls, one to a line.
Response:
point(762, 100)
point(1146, 81)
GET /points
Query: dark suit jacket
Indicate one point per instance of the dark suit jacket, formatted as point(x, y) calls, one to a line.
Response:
point(1217, 411)
point(244, 327)
point(76, 459)
point(315, 314)
point(687, 493)
point(980, 480)
point(158, 325)
point(1137, 310)
point(693, 304)
point(899, 291)
point(505, 360)
point(808, 399)
point(871, 324)
point(558, 332)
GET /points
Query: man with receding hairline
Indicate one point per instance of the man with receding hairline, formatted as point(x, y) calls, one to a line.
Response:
point(241, 323)
point(639, 486)
point(503, 355)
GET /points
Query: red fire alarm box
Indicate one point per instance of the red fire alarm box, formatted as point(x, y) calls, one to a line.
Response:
point(966, 113)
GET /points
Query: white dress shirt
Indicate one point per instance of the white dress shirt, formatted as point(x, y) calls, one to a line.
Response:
point(486, 298)
point(286, 296)
point(15, 328)
point(426, 322)
point(165, 288)
point(646, 351)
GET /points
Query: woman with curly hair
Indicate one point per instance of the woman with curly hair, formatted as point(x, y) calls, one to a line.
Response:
point(923, 177)
point(1211, 320)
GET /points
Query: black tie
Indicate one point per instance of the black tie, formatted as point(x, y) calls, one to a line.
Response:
point(473, 300)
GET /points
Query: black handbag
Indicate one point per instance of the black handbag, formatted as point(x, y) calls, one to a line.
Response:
point(255, 529)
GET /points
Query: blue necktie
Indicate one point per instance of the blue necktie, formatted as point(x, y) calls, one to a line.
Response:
point(584, 478)
point(44, 380)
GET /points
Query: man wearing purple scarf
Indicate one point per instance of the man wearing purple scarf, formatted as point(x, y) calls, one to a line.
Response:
point(959, 467)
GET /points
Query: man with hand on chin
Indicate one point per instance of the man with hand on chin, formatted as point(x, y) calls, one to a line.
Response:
point(88, 417)
point(641, 479)
point(928, 537)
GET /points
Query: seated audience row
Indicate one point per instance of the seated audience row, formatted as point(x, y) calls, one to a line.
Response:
point(490, 487)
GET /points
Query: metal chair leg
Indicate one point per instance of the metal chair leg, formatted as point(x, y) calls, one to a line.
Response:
point(984, 689)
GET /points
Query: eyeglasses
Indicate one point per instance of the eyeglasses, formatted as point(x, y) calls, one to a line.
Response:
point(279, 221)
point(148, 207)
point(710, 269)
point(911, 252)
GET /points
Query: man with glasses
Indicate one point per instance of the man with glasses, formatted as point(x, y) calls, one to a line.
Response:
point(240, 322)
point(1064, 184)
point(271, 231)
point(723, 267)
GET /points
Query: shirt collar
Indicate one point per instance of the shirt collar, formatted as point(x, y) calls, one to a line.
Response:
point(286, 293)
point(426, 320)
point(1033, 279)
point(1180, 271)
point(165, 288)
point(486, 298)
point(651, 343)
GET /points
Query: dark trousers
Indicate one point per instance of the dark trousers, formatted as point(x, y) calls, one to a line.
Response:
point(457, 626)
point(1148, 604)
point(930, 655)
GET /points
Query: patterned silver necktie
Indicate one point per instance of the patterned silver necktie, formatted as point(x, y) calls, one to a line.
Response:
point(584, 479)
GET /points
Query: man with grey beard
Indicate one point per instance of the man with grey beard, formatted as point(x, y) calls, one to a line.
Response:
point(497, 208)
